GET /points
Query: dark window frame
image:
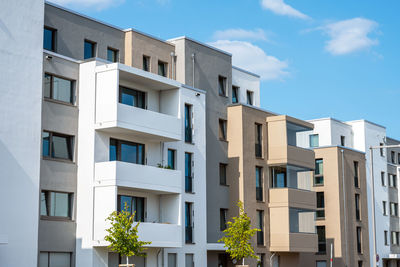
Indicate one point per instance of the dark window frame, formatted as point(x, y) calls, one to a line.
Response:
point(222, 129)
point(343, 140)
point(223, 174)
point(357, 199)
point(173, 152)
point(188, 123)
point(260, 234)
point(259, 137)
point(164, 68)
point(320, 213)
point(189, 223)
point(146, 63)
point(356, 174)
point(70, 146)
point(93, 50)
point(235, 94)
point(140, 95)
point(53, 38)
point(223, 214)
point(49, 202)
point(118, 143)
point(319, 176)
point(51, 97)
point(143, 201)
point(250, 97)
point(222, 86)
point(359, 240)
point(189, 173)
point(55, 252)
point(383, 179)
point(259, 185)
point(385, 236)
point(115, 54)
point(321, 240)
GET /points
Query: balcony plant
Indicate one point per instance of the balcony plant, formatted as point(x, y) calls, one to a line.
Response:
point(123, 235)
point(238, 235)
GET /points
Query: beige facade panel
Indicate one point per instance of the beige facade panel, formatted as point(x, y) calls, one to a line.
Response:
point(293, 198)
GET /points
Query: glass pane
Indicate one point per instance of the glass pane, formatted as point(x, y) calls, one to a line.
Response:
point(112, 55)
point(88, 50)
point(128, 153)
point(43, 203)
point(113, 150)
point(221, 85)
point(46, 144)
point(127, 96)
point(126, 203)
point(140, 159)
point(62, 90)
point(61, 147)
point(171, 159)
point(258, 177)
point(44, 259)
point(146, 65)
point(187, 116)
point(187, 215)
point(314, 140)
point(162, 69)
point(59, 204)
point(171, 259)
point(139, 216)
point(280, 180)
point(47, 85)
point(318, 166)
point(234, 95)
point(189, 260)
point(60, 259)
point(48, 39)
point(188, 164)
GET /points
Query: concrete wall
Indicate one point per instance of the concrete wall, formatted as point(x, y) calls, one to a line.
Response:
point(21, 38)
point(246, 82)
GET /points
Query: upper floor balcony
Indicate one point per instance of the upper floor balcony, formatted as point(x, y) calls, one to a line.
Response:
point(133, 101)
point(282, 146)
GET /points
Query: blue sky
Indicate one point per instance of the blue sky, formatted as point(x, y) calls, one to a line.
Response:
point(332, 58)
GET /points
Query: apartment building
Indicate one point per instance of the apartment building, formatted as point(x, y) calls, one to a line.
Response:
point(20, 109)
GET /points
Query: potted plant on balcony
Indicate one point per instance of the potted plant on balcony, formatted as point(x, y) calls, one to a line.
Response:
point(123, 236)
point(237, 237)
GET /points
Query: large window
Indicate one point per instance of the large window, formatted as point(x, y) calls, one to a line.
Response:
point(358, 209)
point(319, 172)
point(132, 97)
point(56, 204)
point(188, 173)
point(394, 209)
point(321, 239)
point(222, 129)
point(162, 68)
point(235, 94)
point(320, 205)
point(146, 63)
point(221, 86)
point(188, 223)
point(132, 205)
point(314, 140)
point(126, 151)
point(55, 259)
point(55, 145)
point(259, 184)
point(222, 219)
point(188, 123)
point(356, 172)
point(89, 49)
point(260, 225)
point(49, 39)
point(258, 145)
point(59, 89)
point(112, 54)
point(359, 242)
point(171, 159)
point(249, 96)
point(222, 174)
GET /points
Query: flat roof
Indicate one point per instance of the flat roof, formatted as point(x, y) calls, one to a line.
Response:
point(246, 71)
point(200, 43)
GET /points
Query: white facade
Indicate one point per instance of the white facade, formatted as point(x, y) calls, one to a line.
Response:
point(21, 54)
point(159, 127)
point(246, 81)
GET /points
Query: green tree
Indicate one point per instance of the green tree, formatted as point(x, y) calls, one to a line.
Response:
point(123, 235)
point(237, 236)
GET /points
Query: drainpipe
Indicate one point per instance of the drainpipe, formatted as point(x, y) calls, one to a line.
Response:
point(193, 55)
point(344, 209)
point(173, 66)
point(271, 258)
point(375, 263)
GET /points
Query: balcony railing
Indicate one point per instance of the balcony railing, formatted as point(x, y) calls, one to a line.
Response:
point(188, 134)
point(258, 148)
point(259, 193)
point(188, 184)
point(260, 238)
point(188, 234)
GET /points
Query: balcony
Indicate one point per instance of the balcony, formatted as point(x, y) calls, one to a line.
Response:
point(157, 121)
point(282, 144)
point(293, 242)
point(144, 177)
point(293, 198)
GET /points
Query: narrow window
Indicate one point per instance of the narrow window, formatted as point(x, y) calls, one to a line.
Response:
point(188, 223)
point(188, 123)
point(249, 96)
point(359, 243)
point(146, 63)
point(385, 234)
point(235, 94)
point(57, 145)
point(314, 140)
point(222, 260)
point(261, 260)
point(392, 180)
point(321, 239)
point(320, 205)
point(132, 205)
point(258, 145)
point(342, 140)
point(127, 151)
point(221, 86)
point(320, 263)
point(188, 173)
point(395, 238)
point(260, 225)
point(384, 208)
point(279, 179)
point(383, 179)
point(222, 219)
point(222, 130)
point(49, 39)
point(112, 54)
point(393, 209)
point(222, 174)
point(172, 260)
point(381, 149)
point(89, 49)
point(398, 158)
point(319, 172)
point(259, 184)
point(189, 260)
point(132, 97)
point(360, 263)
point(393, 157)
point(356, 178)
point(162, 68)
point(171, 159)
point(357, 202)
point(56, 204)
point(59, 89)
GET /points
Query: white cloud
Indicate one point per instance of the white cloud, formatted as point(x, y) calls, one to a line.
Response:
point(240, 34)
point(96, 4)
point(253, 58)
point(281, 8)
point(349, 36)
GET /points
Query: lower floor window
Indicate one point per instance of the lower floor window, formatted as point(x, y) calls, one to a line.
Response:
point(321, 264)
point(55, 259)
point(56, 204)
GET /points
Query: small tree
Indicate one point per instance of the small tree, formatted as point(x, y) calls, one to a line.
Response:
point(123, 235)
point(237, 236)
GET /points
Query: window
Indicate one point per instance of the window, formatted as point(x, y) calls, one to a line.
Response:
point(221, 86)
point(126, 151)
point(235, 94)
point(260, 225)
point(356, 178)
point(357, 202)
point(188, 123)
point(132, 97)
point(89, 49)
point(360, 263)
point(132, 205)
point(321, 264)
point(188, 173)
point(222, 219)
point(393, 157)
point(359, 244)
point(381, 149)
point(112, 54)
point(162, 68)
point(258, 146)
point(54, 259)
point(384, 208)
point(395, 238)
point(189, 260)
point(383, 179)
point(56, 204)
point(279, 177)
point(261, 260)
point(259, 184)
point(314, 140)
point(222, 260)
point(321, 239)
point(385, 234)
point(392, 180)
point(49, 39)
point(249, 96)
point(171, 159)
point(222, 130)
point(342, 140)
point(320, 213)
point(393, 209)
point(171, 259)
point(188, 223)
point(146, 63)
point(398, 158)
point(319, 172)
point(222, 174)
point(56, 145)
point(58, 88)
